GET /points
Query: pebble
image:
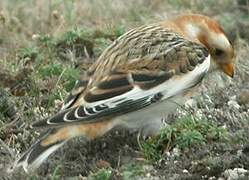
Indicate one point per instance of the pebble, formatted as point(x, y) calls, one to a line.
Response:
point(233, 98)
point(199, 114)
point(212, 178)
point(167, 153)
point(191, 103)
point(243, 97)
point(176, 152)
point(236, 173)
point(239, 152)
point(148, 175)
point(35, 36)
point(224, 126)
point(185, 171)
point(103, 164)
point(233, 104)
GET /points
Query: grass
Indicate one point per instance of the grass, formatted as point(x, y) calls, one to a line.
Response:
point(102, 174)
point(67, 76)
point(186, 132)
point(27, 52)
point(132, 171)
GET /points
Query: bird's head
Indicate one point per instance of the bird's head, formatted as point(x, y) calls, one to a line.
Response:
point(208, 32)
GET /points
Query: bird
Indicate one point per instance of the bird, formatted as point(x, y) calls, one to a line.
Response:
point(144, 75)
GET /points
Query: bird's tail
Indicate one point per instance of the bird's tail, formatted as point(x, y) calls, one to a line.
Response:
point(53, 138)
point(39, 151)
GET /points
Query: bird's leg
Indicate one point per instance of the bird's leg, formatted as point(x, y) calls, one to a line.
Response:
point(152, 128)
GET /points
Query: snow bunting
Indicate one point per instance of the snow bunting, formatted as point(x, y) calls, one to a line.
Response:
point(139, 79)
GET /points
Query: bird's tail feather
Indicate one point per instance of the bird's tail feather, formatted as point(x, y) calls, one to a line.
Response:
point(54, 138)
point(38, 152)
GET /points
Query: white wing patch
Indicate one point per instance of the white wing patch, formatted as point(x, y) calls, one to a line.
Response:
point(171, 87)
point(132, 100)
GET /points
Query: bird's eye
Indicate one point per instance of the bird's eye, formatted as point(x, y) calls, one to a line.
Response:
point(218, 52)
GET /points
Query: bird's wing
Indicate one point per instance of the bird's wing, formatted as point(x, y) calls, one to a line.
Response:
point(142, 67)
point(75, 94)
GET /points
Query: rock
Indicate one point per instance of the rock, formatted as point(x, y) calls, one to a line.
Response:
point(176, 152)
point(103, 164)
point(245, 149)
point(191, 103)
point(243, 97)
point(233, 98)
point(220, 178)
point(233, 104)
point(35, 37)
point(212, 178)
point(236, 173)
point(185, 171)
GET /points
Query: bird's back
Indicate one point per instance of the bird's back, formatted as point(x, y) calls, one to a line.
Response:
point(151, 47)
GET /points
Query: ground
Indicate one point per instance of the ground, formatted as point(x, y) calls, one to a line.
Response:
point(46, 45)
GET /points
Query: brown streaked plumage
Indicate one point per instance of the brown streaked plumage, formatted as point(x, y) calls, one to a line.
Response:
point(136, 82)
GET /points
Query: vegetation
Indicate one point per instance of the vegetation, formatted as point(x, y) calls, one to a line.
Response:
point(186, 132)
point(102, 174)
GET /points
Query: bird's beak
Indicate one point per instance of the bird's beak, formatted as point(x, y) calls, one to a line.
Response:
point(227, 68)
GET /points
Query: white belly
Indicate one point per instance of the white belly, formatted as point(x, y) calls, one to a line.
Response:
point(152, 117)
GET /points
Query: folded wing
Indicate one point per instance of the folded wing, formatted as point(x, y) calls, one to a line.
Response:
point(144, 66)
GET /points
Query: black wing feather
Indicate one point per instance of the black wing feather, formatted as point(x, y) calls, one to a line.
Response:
point(105, 111)
point(75, 93)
